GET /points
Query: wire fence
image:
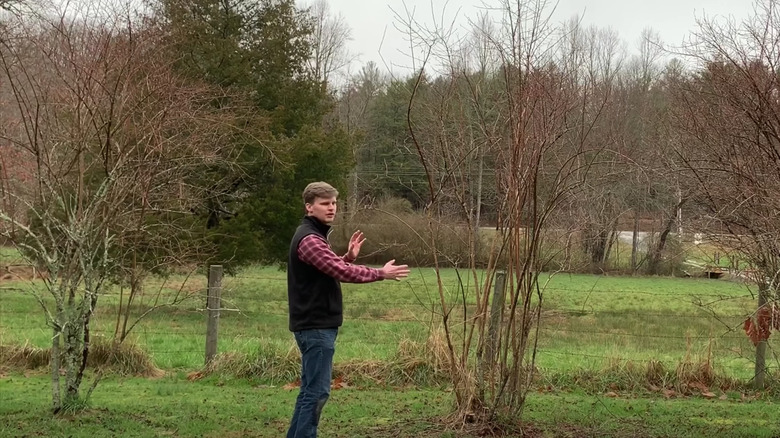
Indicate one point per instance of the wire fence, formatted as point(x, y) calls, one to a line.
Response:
point(576, 325)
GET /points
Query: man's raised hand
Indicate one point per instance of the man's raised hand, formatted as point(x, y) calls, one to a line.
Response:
point(355, 243)
point(395, 272)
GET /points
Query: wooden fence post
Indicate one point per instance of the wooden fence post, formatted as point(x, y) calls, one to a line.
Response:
point(760, 375)
point(496, 311)
point(213, 303)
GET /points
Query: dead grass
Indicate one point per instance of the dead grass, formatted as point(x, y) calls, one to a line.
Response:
point(270, 362)
point(123, 359)
point(126, 358)
point(25, 357)
point(688, 377)
point(415, 364)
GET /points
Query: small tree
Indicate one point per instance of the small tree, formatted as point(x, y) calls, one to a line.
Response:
point(522, 113)
point(112, 141)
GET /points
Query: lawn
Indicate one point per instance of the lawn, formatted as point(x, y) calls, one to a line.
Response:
point(173, 406)
point(593, 327)
point(9, 257)
point(588, 320)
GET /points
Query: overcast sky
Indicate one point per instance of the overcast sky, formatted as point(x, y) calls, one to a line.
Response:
point(375, 37)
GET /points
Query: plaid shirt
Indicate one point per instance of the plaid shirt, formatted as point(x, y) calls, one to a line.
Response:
point(316, 251)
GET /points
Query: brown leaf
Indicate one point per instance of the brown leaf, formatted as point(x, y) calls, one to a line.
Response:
point(708, 394)
point(764, 322)
point(752, 330)
point(339, 383)
point(668, 393)
point(195, 375)
point(611, 394)
point(653, 388)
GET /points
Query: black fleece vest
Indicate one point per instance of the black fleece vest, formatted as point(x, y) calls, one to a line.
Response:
point(314, 299)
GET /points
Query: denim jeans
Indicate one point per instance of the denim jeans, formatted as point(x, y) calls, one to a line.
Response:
point(317, 347)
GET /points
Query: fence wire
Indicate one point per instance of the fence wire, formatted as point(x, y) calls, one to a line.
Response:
point(251, 315)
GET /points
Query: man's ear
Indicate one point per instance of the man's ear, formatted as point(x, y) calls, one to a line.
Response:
point(308, 208)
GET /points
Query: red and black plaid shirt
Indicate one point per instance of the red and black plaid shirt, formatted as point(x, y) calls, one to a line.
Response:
point(316, 251)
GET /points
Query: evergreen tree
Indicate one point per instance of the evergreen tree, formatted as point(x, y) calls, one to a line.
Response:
point(259, 53)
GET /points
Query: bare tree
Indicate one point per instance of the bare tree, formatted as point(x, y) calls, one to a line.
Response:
point(728, 116)
point(114, 142)
point(355, 107)
point(649, 182)
point(595, 59)
point(329, 42)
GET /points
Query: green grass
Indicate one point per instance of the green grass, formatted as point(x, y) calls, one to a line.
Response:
point(173, 406)
point(639, 318)
point(595, 330)
point(9, 255)
point(588, 321)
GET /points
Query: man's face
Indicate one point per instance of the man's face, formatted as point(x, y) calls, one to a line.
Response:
point(323, 209)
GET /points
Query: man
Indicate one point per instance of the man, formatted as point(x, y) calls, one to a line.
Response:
point(314, 273)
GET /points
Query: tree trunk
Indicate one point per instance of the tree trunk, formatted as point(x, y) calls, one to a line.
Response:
point(655, 257)
point(610, 240)
point(55, 372)
point(478, 206)
point(86, 340)
point(598, 245)
point(73, 354)
point(635, 242)
point(353, 193)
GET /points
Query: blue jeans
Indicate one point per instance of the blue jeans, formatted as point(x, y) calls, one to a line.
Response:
point(317, 347)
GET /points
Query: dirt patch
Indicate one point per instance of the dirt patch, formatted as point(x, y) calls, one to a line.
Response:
point(395, 314)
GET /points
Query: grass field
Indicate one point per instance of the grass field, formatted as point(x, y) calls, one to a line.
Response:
point(589, 320)
point(9, 256)
point(594, 328)
point(172, 406)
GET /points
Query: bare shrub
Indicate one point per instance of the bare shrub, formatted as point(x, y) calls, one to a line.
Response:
point(394, 231)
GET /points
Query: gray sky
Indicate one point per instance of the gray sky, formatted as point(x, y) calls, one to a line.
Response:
point(375, 37)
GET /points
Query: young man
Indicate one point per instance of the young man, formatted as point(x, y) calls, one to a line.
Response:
point(314, 276)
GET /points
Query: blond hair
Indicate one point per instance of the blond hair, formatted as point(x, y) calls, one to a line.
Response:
point(318, 189)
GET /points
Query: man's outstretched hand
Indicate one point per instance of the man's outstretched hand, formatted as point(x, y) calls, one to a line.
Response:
point(355, 243)
point(395, 272)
